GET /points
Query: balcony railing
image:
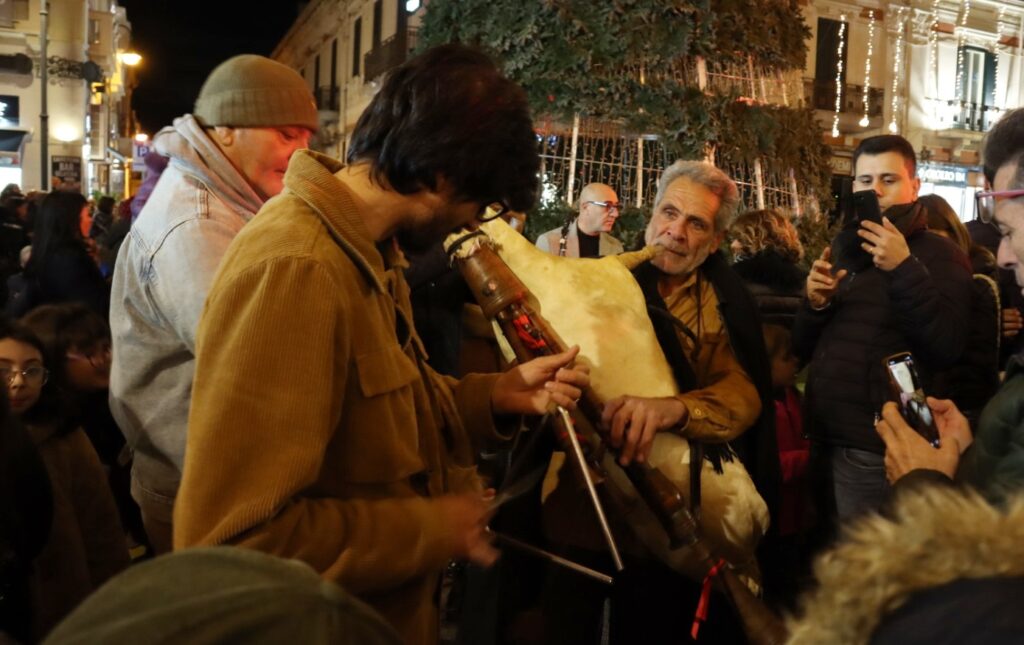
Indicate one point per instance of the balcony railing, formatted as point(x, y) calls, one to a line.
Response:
point(822, 96)
point(327, 98)
point(390, 53)
point(946, 114)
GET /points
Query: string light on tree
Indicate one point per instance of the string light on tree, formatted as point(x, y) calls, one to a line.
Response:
point(867, 67)
point(839, 74)
point(897, 59)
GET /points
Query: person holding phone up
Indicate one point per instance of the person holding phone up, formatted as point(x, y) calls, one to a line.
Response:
point(992, 458)
point(883, 287)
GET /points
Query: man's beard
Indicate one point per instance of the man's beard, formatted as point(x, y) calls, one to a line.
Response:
point(421, 238)
point(413, 242)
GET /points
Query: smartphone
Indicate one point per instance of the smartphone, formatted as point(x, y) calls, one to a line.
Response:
point(847, 250)
point(859, 206)
point(905, 386)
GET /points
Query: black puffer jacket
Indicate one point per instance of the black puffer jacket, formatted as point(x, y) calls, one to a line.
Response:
point(973, 381)
point(776, 284)
point(922, 306)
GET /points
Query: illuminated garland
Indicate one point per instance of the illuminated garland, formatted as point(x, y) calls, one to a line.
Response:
point(960, 49)
point(839, 75)
point(995, 56)
point(896, 70)
point(867, 67)
point(933, 63)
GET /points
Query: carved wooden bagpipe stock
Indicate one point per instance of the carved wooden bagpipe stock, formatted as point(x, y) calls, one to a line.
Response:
point(596, 304)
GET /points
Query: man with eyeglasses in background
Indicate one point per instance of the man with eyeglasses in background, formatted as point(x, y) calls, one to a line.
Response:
point(588, 235)
point(994, 465)
point(318, 431)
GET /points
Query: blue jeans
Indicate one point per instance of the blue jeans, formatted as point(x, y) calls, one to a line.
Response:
point(858, 480)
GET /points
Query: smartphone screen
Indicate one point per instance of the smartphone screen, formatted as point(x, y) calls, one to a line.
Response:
point(908, 393)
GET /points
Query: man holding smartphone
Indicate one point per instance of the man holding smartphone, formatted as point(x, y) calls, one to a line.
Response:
point(914, 296)
point(995, 463)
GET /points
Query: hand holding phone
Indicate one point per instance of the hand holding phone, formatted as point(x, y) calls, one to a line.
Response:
point(885, 243)
point(907, 392)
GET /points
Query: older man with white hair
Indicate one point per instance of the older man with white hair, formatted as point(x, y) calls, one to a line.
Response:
point(709, 329)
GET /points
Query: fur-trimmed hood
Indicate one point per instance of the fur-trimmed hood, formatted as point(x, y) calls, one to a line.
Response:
point(934, 535)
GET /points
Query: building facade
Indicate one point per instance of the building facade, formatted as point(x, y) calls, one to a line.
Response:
point(343, 48)
point(938, 72)
point(87, 110)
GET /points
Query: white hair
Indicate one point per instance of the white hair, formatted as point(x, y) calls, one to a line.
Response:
point(712, 178)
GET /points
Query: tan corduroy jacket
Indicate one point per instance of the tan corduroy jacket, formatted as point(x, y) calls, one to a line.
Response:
point(316, 430)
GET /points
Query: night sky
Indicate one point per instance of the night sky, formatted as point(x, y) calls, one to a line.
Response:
point(181, 41)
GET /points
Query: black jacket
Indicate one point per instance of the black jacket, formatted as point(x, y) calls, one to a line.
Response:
point(69, 275)
point(757, 447)
point(922, 306)
point(776, 284)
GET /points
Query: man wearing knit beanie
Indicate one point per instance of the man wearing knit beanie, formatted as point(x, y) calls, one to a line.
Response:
point(225, 160)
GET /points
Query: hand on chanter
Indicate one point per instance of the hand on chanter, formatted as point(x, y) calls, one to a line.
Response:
point(467, 516)
point(536, 386)
point(633, 421)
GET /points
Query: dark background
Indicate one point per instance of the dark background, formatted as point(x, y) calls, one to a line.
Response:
point(181, 41)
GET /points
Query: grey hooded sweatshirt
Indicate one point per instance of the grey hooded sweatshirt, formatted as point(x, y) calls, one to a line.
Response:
point(163, 272)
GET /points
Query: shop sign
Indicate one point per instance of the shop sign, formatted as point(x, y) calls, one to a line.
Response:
point(841, 165)
point(9, 111)
point(139, 152)
point(68, 169)
point(943, 174)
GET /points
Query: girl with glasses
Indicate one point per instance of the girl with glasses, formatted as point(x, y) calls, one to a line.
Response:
point(86, 545)
point(77, 344)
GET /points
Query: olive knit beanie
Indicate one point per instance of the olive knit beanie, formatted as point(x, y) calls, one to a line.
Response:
point(216, 595)
point(254, 91)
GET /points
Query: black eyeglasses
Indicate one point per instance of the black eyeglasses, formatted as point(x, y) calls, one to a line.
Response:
point(986, 202)
point(491, 211)
point(34, 376)
point(609, 206)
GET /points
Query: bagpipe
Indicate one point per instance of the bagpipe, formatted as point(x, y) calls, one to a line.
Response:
point(597, 304)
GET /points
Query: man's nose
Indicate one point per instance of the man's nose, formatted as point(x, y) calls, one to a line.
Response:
point(1005, 256)
point(677, 228)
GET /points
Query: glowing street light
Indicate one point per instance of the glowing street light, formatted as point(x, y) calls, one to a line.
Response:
point(142, 137)
point(131, 59)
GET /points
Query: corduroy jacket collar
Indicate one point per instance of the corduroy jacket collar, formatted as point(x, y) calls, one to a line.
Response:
point(311, 177)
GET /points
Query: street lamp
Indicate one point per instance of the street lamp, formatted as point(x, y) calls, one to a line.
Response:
point(131, 59)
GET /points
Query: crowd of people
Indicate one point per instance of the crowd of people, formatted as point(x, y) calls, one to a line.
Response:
point(267, 350)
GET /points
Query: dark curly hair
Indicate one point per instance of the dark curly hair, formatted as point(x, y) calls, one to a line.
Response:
point(450, 113)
